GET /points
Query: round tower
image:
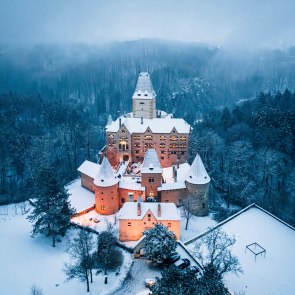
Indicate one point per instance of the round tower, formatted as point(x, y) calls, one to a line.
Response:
point(106, 186)
point(197, 183)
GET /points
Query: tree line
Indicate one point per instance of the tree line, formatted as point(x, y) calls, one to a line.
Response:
point(249, 152)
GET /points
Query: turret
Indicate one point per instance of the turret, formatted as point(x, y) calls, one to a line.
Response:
point(197, 182)
point(106, 186)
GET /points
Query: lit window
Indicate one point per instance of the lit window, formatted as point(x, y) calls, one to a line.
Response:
point(162, 145)
point(162, 137)
point(183, 138)
point(111, 136)
point(148, 137)
point(173, 138)
point(102, 207)
point(173, 145)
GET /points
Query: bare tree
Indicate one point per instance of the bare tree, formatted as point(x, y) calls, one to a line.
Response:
point(214, 251)
point(35, 290)
point(186, 209)
point(81, 252)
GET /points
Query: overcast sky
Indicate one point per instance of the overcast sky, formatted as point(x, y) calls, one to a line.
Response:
point(249, 23)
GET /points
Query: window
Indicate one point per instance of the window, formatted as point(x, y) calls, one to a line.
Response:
point(141, 101)
point(169, 224)
point(148, 145)
point(162, 137)
point(162, 145)
point(173, 138)
point(166, 201)
point(136, 137)
point(111, 145)
point(111, 136)
point(136, 152)
point(173, 145)
point(162, 158)
point(137, 144)
point(182, 146)
point(183, 138)
point(163, 152)
point(203, 205)
point(149, 215)
point(148, 137)
point(102, 207)
point(151, 180)
point(183, 153)
point(129, 223)
point(123, 130)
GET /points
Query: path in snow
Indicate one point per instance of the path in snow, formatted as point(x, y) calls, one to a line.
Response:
point(140, 270)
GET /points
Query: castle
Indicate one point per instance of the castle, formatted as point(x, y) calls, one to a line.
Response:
point(145, 161)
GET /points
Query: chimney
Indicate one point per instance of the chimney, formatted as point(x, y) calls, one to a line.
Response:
point(177, 163)
point(120, 122)
point(138, 209)
point(174, 174)
point(159, 210)
point(141, 120)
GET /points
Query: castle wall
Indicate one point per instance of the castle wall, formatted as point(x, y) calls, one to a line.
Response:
point(173, 196)
point(132, 230)
point(107, 199)
point(151, 188)
point(123, 193)
point(200, 194)
point(144, 108)
point(87, 182)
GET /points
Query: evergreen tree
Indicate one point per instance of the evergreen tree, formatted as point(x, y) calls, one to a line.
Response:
point(52, 212)
point(160, 243)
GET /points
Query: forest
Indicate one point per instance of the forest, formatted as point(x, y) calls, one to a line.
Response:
point(55, 101)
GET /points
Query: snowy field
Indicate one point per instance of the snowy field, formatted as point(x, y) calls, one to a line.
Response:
point(26, 261)
point(270, 275)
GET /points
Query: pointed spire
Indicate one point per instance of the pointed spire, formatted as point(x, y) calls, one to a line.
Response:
point(105, 175)
point(197, 173)
point(151, 163)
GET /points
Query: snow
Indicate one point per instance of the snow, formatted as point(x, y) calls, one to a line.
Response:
point(181, 172)
point(89, 168)
point(151, 163)
point(144, 88)
point(26, 261)
point(173, 186)
point(80, 198)
point(132, 185)
point(168, 211)
point(197, 174)
point(105, 176)
point(156, 125)
point(273, 274)
point(196, 226)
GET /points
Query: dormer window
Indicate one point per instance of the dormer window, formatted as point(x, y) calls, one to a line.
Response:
point(141, 101)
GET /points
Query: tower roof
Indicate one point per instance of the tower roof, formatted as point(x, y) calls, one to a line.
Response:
point(151, 163)
point(197, 173)
point(105, 176)
point(144, 87)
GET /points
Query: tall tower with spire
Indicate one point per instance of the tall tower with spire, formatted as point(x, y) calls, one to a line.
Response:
point(144, 97)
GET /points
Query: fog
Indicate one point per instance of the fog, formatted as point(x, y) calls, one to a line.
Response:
point(229, 23)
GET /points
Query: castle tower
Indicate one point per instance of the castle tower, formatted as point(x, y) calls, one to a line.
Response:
point(197, 182)
point(106, 186)
point(151, 174)
point(144, 97)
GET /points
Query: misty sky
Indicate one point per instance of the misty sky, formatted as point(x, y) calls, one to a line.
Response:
point(238, 23)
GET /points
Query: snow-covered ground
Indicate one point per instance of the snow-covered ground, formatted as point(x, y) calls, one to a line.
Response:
point(26, 261)
point(196, 226)
point(270, 275)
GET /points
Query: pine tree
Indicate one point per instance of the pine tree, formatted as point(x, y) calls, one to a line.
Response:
point(160, 243)
point(52, 212)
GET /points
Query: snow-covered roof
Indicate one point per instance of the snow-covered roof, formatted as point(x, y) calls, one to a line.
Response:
point(197, 173)
point(131, 185)
point(105, 176)
point(151, 163)
point(168, 211)
point(156, 125)
point(173, 185)
point(144, 87)
point(272, 274)
point(89, 168)
point(181, 172)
